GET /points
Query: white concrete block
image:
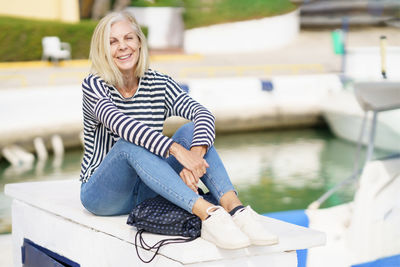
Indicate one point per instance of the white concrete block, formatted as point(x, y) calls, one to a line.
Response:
point(245, 36)
point(40, 110)
point(62, 225)
point(165, 25)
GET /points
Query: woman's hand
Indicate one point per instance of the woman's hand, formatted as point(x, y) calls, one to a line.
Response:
point(189, 179)
point(194, 164)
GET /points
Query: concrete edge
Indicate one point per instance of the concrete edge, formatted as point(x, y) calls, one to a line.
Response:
point(86, 62)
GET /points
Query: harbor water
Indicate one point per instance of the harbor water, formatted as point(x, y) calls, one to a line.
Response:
point(272, 170)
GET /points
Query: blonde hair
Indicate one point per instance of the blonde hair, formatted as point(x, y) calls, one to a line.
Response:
point(100, 54)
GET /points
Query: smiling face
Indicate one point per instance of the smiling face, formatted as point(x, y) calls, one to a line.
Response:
point(124, 46)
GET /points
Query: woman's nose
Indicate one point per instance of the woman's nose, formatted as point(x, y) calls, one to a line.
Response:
point(122, 45)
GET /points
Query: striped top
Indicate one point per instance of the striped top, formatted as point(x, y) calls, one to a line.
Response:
point(107, 117)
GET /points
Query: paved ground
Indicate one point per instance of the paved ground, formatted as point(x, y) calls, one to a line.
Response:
point(311, 52)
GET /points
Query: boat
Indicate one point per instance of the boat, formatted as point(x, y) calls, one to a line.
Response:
point(346, 117)
point(365, 67)
point(364, 232)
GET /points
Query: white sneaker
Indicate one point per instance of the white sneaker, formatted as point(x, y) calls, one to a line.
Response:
point(220, 229)
point(248, 221)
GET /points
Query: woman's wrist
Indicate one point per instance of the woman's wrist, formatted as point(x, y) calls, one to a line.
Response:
point(200, 150)
point(173, 148)
point(176, 149)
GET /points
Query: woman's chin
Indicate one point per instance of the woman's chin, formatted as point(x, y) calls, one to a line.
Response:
point(125, 68)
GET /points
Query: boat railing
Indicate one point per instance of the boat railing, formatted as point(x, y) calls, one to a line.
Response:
point(373, 97)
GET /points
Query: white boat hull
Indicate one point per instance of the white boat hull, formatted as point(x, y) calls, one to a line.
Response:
point(344, 117)
point(365, 230)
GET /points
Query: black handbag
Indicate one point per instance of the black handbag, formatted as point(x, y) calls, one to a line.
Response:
point(160, 216)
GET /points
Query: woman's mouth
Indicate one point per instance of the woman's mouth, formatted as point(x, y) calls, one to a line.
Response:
point(124, 57)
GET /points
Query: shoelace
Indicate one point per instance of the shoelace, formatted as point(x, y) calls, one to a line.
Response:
point(158, 245)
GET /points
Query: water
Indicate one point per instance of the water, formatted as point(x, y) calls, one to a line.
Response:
point(272, 170)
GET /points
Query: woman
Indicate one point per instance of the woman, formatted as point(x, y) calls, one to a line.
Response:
point(128, 160)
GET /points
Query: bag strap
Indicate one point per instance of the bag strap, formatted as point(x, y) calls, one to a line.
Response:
point(158, 245)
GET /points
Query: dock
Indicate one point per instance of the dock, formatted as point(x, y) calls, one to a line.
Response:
point(251, 104)
point(50, 216)
point(278, 88)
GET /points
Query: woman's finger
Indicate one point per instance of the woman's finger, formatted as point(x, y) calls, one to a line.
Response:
point(189, 179)
point(206, 164)
point(200, 170)
point(198, 173)
point(190, 174)
point(189, 159)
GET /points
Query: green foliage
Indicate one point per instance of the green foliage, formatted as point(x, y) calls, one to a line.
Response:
point(21, 39)
point(208, 12)
point(200, 13)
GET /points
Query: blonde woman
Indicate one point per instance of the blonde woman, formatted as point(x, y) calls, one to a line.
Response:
point(127, 159)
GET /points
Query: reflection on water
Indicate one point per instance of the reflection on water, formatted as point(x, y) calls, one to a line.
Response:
point(52, 169)
point(283, 170)
point(272, 171)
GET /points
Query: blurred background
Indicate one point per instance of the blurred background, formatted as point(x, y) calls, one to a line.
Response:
point(280, 65)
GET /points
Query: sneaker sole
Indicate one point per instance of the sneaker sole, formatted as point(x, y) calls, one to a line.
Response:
point(211, 239)
point(265, 242)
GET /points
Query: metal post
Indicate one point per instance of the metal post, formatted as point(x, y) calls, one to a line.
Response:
point(370, 151)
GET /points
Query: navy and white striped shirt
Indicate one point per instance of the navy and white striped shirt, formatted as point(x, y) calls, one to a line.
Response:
point(107, 117)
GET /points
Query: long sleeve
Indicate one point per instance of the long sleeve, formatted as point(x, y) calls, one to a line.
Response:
point(107, 117)
point(124, 126)
point(179, 103)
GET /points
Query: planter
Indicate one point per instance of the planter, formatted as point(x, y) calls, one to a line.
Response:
point(245, 36)
point(165, 25)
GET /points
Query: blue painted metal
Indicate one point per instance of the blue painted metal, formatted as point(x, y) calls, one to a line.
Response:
point(298, 217)
point(267, 85)
point(34, 255)
point(392, 261)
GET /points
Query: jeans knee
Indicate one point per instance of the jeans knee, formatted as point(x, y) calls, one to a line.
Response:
point(99, 207)
point(184, 132)
point(88, 205)
point(127, 147)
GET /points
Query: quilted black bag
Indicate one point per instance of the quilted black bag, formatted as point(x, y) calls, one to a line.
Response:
point(160, 216)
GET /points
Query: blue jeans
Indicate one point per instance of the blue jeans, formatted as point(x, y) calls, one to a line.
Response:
point(130, 174)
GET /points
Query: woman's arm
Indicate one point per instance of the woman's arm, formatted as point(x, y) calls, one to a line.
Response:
point(100, 107)
point(190, 159)
point(130, 129)
point(194, 164)
point(179, 103)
